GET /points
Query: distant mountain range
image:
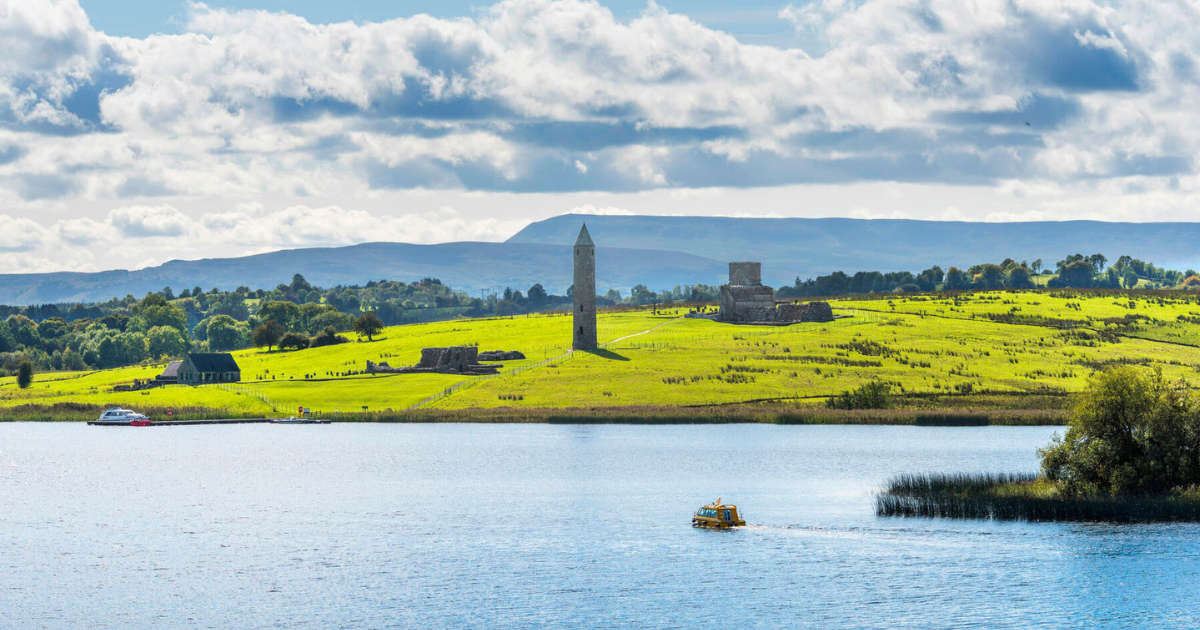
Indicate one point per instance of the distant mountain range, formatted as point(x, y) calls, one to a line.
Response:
point(806, 248)
point(656, 251)
point(468, 267)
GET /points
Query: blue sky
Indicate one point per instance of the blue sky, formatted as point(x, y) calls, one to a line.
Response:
point(188, 130)
point(754, 21)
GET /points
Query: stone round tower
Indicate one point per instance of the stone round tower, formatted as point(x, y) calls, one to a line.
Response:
point(585, 292)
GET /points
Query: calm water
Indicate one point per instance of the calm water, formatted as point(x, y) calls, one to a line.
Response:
point(502, 526)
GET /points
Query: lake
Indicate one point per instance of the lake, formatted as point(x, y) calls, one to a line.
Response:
point(546, 526)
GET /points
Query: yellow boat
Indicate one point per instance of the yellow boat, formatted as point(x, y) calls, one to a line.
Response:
point(717, 515)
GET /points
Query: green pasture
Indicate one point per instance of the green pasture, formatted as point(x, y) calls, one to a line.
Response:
point(1170, 317)
point(330, 378)
point(1018, 345)
point(699, 362)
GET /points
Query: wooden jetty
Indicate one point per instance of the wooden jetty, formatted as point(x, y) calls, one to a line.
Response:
point(179, 423)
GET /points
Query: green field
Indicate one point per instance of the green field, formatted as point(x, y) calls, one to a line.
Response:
point(1020, 350)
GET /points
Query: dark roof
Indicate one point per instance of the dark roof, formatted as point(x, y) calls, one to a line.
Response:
point(215, 362)
point(172, 370)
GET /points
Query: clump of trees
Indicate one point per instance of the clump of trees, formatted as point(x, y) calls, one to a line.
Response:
point(1076, 270)
point(166, 324)
point(1131, 432)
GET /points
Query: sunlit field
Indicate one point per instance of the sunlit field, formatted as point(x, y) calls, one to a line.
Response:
point(1014, 349)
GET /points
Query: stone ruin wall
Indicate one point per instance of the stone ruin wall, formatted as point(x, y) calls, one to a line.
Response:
point(747, 300)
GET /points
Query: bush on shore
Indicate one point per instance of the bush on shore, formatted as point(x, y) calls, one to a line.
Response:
point(1131, 453)
point(873, 395)
point(1131, 433)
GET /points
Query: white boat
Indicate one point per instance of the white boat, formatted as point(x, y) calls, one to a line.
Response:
point(120, 416)
point(295, 420)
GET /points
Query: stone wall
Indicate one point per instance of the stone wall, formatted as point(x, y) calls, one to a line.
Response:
point(451, 360)
point(741, 303)
point(807, 312)
point(745, 273)
point(747, 300)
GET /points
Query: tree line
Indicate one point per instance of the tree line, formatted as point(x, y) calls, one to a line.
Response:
point(1075, 271)
point(164, 325)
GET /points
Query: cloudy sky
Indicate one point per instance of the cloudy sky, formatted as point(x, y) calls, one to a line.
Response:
point(137, 131)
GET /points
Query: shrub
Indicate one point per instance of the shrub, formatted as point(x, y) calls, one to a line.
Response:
point(293, 340)
point(25, 374)
point(873, 395)
point(328, 337)
point(1131, 432)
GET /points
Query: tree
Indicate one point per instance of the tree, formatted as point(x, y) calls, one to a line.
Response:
point(956, 280)
point(294, 341)
point(991, 277)
point(23, 331)
point(165, 341)
point(268, 334)
point(1129, 279)
point(537, 295)
point(286, 313)
point(1097, 261)
point(368, 325)
point(1019, 278)
point(225, 333)
point(25, 374)
point(1130, 432)
point(1077, 274)
point(1036, 266)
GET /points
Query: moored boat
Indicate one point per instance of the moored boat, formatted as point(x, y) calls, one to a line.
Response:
point(122, 417)
point(295, 420)
point(718, 516)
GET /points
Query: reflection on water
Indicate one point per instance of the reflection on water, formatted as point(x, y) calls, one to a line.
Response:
point(370, 526)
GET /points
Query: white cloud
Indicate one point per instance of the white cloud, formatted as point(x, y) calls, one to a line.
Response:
point(139, 221)
point(18, 235)
point(609, 210)
point(257, 129)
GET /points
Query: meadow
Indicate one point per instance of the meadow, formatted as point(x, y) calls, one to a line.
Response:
point(1000, 350)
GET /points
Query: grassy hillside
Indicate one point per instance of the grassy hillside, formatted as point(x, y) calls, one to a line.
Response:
point(1022, 350)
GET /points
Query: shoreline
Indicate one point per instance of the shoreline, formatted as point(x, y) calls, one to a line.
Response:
point(639, 415)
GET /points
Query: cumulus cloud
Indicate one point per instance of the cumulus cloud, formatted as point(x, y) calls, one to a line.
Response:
point(138, 221)
point(253, 102)
point(559, 96)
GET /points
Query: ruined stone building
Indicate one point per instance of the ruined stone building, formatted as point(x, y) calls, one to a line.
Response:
point(584, 324)
point(747, 300)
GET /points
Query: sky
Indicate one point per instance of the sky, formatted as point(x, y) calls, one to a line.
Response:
point(135, 132)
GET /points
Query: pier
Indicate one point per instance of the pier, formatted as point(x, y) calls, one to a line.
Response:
point(179, 423)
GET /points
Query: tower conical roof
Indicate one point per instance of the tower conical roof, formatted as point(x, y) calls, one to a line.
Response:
point(584, 239)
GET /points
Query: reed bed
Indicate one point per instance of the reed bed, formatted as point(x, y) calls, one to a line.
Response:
point(84, 412)
point(1022, 497)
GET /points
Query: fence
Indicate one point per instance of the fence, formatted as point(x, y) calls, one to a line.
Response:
point(248, 391)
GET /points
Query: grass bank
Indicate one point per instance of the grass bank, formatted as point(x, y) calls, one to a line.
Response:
point(722, 414)
point(1023, 497)
point(83, 412)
